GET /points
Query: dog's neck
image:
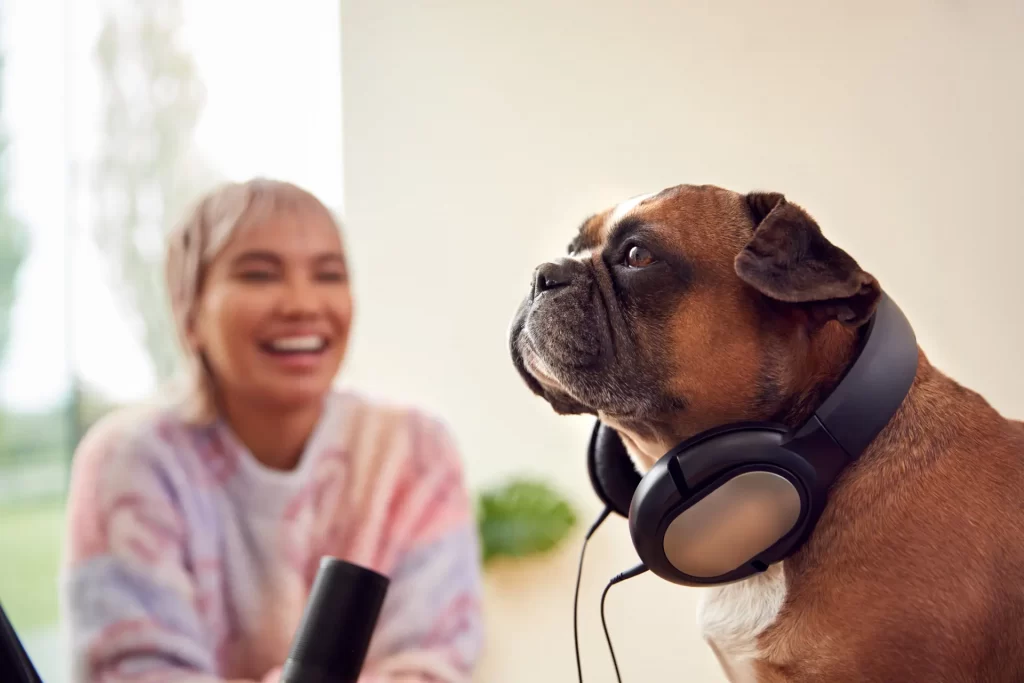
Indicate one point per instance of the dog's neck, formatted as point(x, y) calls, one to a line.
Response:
point(644, 451)
point(818, 365)
point(817, 362)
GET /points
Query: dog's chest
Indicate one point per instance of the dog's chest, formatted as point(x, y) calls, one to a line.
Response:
point(731, 617)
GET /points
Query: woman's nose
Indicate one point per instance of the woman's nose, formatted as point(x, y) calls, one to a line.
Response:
point(299, 297)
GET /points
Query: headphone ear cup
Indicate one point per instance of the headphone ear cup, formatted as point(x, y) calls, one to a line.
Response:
point(611, 470)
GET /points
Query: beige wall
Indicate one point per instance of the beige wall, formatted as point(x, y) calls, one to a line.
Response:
point(478, 134)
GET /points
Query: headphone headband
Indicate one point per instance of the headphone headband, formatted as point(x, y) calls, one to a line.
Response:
point(876, 383)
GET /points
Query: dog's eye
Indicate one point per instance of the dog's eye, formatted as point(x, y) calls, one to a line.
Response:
point(638, 257)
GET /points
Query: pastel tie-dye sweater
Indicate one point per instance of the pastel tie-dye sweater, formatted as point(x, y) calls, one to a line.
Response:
point(189, 562)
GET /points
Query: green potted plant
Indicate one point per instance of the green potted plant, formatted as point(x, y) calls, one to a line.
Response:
point(521, 518)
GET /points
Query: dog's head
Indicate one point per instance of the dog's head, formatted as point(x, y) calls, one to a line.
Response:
point(692, 307)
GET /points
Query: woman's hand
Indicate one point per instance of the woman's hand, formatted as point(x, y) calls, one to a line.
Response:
point(272, 676)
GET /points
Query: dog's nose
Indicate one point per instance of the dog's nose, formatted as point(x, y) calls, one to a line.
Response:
point(552, 276)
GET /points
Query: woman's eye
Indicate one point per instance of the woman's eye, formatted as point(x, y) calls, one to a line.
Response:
point(257, 275)
point(638, 257)
point(331, 276)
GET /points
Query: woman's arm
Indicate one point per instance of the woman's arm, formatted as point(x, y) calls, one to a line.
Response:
point(430, 629)
point(129, 601)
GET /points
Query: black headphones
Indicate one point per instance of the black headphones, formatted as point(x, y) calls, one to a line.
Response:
point(733, 500)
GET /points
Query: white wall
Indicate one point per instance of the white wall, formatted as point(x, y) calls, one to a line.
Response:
point(478, 134)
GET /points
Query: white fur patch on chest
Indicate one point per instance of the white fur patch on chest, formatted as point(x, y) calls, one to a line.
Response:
point(731, 617)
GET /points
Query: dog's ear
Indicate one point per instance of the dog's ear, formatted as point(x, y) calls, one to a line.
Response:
point(789, 260)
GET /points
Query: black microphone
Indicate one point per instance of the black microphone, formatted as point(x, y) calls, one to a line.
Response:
point(337, 624)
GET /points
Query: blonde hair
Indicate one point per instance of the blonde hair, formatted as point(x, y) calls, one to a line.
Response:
point(194, 243)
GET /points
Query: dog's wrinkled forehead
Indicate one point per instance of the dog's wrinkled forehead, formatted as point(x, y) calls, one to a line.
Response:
point(595, 230)
point(695, 214)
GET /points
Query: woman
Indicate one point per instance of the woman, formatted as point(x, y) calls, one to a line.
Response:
point(196, 529)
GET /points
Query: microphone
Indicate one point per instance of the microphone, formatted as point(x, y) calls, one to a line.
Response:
point(341, 614)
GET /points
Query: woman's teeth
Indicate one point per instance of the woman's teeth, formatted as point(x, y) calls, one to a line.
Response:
point(307, 343)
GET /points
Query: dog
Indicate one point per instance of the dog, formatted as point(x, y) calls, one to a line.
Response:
point(696, 306)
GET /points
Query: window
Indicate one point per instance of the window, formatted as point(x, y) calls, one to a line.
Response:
point(114, 115)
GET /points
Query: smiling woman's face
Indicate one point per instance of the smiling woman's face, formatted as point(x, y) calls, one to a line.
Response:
point(275, 309)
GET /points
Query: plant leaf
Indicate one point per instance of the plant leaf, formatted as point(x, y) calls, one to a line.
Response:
point(522, 518)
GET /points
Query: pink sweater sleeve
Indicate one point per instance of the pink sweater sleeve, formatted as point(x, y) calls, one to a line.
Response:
point(128, 597)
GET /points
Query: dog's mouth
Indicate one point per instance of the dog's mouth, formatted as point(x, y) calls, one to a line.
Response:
point(539, 370)
point(561, 357)
point(528, 362)
point(574, 349)
point(538, 373)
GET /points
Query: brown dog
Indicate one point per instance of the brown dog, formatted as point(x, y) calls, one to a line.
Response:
point(697, 306)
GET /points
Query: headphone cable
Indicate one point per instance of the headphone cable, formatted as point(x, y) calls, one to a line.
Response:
point(628, 574)
point(576, 600)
